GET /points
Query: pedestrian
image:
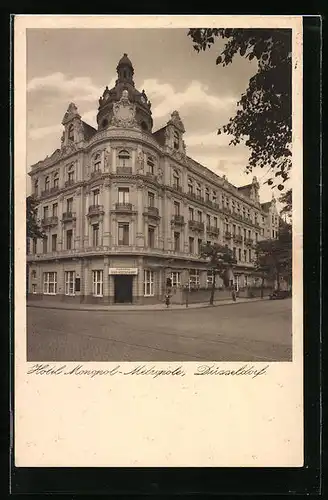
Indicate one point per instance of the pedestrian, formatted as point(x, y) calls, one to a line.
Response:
point(234, 296)
point(167, 300)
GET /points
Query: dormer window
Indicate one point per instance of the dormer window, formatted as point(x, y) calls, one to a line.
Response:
point(151, 165)
point(124, 158)
point(97, 163)
point(47, 183)
point(176, 140)
point(71, 133)
point(56, 180)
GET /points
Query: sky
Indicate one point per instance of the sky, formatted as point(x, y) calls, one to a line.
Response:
point(75, 65)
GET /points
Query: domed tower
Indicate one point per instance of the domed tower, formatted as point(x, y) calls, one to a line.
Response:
point(125, 91)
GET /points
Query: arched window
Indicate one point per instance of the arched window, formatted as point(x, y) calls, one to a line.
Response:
point(97, 163)
point(56, 180)
point(71, 133)
point(190, 186)
point(70, 174)
point(124, 158)
point(151, 164)
point(36, 188)
point(176, 140)
point(47, 183)
point(198, 191)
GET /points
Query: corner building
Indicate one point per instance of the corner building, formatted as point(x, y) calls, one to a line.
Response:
point(123, 208)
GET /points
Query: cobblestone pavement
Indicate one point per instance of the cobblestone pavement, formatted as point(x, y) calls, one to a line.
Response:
point(258, 331)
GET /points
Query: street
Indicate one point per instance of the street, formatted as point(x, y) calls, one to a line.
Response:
point(259, 331)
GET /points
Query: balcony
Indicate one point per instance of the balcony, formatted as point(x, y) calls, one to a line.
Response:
point(68, 216)
point(215, 231)
point(95, 210)
point(70, 182)
point(123, 207)
point(177, 187)
point(95, 174)
point(151, 176)
point(249, 242)
point(178, 220)
point(196, 225)
point(50, 221)
point(152, 212)
point(237, 238)
point(124, 170)
point(227, 235)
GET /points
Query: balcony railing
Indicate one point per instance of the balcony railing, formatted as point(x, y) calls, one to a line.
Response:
point(213, 230)
point(227, 235)
point(178, 220)
point(237, 238)
point(249, 242)
point(177, 187)
point(152, 211)
point(95, 174)
point(50, 221)
point(196, 225)
point(123, 207)
point(151, 176)
point(70, 182)
point(95, 210)
point(124, 170)
point(68, 216)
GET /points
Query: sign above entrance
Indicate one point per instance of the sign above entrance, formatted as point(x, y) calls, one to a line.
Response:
point(123, 270)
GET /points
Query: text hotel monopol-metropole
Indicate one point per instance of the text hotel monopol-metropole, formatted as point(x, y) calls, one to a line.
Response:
point(123, 208)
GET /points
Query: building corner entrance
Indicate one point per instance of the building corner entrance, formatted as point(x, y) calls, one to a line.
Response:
point(123, 289)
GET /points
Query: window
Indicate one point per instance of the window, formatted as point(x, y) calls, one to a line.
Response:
point(97, 163)
point(249, 234)
point(34, 288)
point(176, 279)
point(36, 188)
point(176, 180)
point(69, 239)
point(200, 242)
point(69, 205)
point(215, 219)
point(50, 283)
point(239, 254)
point(245, 280)
point(95, 235)
point(256, 237)
point(54, 243)
point(207, 194)
point(273, 219)
point(151, 165)
point(226, 225)
point(148, 283)
point(69, 283)
point(234, 250)
point(47, 183)
point(236, 283)
point(123, 195)
point(193, 278)
point(71, 133)
point(151, 237)
point(245, 255)
point(234, 229)
point(245, 234)
point(191, 245)
point(272, 233)
point(244, 212)
point(210, 278)
point(176, 140)
point(35, 241)
point(95, 197)
point(45, 212)
point(97, 283)
point(199, 216)
point(56, 180)
point(177, 242)
point(239, 230)
point(151, 199)
point(123, 233)
point(250, 255)
point(34, 274)
point(233, 207)
point(124, 158)
point(191, 213)
point(55, 209)
point(70, 174)
point(45, 244)
point(198, 191)
point(190, 186)
point(176, 208)
point(208, 220)
point(214, 197)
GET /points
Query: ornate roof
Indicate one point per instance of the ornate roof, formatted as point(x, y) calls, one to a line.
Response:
point(124, 61)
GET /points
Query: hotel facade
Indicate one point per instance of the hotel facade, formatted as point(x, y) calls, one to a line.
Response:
point(124, 208)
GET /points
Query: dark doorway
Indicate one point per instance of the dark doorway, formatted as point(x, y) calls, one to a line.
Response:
point(123, 289)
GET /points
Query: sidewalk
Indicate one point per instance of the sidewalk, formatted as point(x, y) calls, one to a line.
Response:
point(152, 307)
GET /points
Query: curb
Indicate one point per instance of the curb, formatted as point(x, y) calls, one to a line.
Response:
point(127, 309)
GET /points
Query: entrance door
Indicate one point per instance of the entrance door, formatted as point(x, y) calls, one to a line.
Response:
point(123, 289)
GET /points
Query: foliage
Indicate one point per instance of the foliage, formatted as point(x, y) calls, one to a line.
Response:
point(220, 260)
point(264, 114)
point(33, 226)
point(286, 200)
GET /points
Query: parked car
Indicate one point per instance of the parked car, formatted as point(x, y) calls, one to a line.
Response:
point(280, 294)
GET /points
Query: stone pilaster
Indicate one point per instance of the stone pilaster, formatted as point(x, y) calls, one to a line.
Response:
point(140, 233)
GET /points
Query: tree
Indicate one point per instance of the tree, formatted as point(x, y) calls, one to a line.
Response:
point(220, 259)
point(274, 256)
point(33, 226)
point(264, 114)
point(286, 200)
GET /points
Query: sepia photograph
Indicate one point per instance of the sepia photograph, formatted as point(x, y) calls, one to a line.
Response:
point(159, 194)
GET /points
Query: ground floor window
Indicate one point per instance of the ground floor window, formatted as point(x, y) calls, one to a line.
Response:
point(236, 282)
point(194, 278)
point(176, 279)
point(97, 283)
point(50, 283)
point(210, 278)
point(69, 283)
point(148, 283)
point(34, 288)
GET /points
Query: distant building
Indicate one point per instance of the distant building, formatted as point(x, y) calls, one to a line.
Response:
point(124, 207)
